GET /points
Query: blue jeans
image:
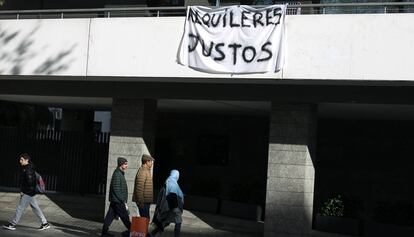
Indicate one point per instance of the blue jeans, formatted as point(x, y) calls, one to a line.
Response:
point(26, 200)
point(144, 210)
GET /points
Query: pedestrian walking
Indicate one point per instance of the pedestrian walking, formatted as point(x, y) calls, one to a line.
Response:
point(27, 184)
point(143, 189)
point(118, 197)
point(169, 208)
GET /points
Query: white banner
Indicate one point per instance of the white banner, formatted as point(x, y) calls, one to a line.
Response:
point(234, 39)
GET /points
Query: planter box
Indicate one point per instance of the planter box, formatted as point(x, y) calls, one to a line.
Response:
point(341, 225)
point(382, 229)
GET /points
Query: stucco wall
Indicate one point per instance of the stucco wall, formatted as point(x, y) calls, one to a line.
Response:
point(44, 47)
point(357, 47)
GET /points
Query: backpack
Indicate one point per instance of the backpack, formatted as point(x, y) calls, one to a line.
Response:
point(40, 184)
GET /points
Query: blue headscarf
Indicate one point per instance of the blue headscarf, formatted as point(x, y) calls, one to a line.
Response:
point(172, 184)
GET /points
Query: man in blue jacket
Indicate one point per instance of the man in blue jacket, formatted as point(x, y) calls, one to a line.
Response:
point(118, 197)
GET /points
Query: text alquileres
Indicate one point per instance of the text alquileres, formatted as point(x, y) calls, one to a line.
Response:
point(234, 39)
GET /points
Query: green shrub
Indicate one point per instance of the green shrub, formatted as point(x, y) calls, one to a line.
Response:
point(333, 207)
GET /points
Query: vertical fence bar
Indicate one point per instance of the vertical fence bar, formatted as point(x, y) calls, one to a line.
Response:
point(59, 155)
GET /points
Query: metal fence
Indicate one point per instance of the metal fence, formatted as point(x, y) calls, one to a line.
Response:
point(72, 162)
point(294, 8)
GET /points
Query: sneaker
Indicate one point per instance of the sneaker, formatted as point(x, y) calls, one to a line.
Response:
point(9, 226)
point(44, 226)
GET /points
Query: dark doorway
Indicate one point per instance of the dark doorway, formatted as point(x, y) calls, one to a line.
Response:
point(218, 156)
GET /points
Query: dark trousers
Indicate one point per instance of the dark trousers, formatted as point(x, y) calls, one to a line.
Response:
point(116, 209)
point(177, 230)
point(145, 210)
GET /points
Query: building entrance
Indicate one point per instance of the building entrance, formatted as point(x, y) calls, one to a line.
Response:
point(222, 156)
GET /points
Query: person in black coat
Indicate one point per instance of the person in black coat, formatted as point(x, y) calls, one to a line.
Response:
point(27, 183)
point(169, 208)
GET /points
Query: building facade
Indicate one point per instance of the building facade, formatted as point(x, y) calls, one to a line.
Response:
point(336, 119)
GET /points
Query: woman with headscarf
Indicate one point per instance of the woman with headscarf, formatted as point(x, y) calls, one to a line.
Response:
point(170, 203)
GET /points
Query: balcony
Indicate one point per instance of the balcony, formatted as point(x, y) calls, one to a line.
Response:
point(294, 8)
point(109, 44)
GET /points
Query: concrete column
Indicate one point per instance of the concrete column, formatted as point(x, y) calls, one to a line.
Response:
point(291, 173)
point(132, 134)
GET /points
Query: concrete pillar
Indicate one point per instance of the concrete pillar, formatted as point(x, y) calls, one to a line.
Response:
point(291, 173)
point(132, 134)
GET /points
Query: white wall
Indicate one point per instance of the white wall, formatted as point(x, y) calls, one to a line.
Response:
point(44, 47)
point(359, 47)
point(370, 47)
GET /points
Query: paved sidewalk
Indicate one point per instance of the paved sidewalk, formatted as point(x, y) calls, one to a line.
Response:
point(64, 224)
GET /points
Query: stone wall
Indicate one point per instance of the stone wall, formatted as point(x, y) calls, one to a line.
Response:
point(132, 134)
point(290, 181)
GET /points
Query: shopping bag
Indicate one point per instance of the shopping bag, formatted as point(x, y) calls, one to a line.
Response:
point(139, 226)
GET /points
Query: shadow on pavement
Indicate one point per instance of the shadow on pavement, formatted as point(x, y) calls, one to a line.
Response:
point(87, 207)
point(229, 224)
point(76, 231)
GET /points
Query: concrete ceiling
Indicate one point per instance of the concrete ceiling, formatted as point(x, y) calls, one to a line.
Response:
point(61, 101)
point(366, 111)
point(325, 110)
point(164, 105)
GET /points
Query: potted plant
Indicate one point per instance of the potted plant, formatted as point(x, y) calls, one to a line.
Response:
point(331, 218)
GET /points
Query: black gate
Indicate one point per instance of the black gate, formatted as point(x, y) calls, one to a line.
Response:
point(73, 162)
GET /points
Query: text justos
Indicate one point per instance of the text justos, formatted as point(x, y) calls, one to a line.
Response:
point(234, 51)
point(248, 53)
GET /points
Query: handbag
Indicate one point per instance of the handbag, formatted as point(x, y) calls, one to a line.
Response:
point(139, 226)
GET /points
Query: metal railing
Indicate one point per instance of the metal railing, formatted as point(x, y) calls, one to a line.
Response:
point(58, 157)
point(293, 9)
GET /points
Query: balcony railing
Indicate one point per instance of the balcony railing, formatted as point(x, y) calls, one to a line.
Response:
point(293, 9)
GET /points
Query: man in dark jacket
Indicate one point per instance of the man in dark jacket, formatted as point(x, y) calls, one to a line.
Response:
point(27, 183)
point(118, 197)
